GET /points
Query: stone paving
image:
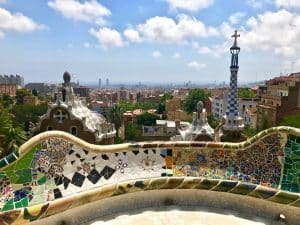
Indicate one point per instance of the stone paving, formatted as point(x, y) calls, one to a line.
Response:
point(176, 217)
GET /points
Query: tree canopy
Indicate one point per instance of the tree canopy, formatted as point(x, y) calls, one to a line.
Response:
point(11, 136)
point(133, 132)
point(20, 94)
point(292, 121)
point(194, 96)
point(115, 116)
point(246, 93)
point(126, 106)
point(147, 119)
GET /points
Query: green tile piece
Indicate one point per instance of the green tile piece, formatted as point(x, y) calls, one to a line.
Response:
point(42, 180)
point(296, 204)
point(24, 202)
point(25, 162)
point(243, 188)
point(18, 204)
point(156, 184)
point(207, 184)
point(28, 216)
point(139, 184)
point(24, 176)
point(10, 158)
point(284, 198)
point(263, 193)
point(2, 163)
point(291, 177)
point(120, 190)
point(225, 186)
point(9, 205)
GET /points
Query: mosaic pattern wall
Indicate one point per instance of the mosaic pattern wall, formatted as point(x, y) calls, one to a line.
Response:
point(258, 164)
point(57, 168)
point(291, 172)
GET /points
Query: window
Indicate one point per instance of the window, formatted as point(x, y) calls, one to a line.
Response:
point(60, 116)
point(49, 128)
point(73, 131)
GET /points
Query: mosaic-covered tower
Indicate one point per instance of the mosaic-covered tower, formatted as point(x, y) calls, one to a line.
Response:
point(233, 122)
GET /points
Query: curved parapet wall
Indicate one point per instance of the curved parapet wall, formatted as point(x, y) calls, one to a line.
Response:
point(55, 171)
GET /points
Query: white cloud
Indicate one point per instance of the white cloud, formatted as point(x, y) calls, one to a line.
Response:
point(165, 29)
point(132, 35)
point(288, 3)
point(236, 17)
point(87, 45)
point(17, 22)
point(205, 50)
point(214, 50)
point(176, 55)
point(255, 3)
point(191, 5)
point(196, 66)
point(107, 37)
point(89, 11)
point(275, 31)
point(258, 4)
point(156, 54)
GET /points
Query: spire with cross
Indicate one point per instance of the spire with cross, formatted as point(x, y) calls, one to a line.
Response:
point(235, 36)
point(233, 121)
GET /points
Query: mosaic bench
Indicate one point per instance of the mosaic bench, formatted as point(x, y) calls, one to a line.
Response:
point(55, 171)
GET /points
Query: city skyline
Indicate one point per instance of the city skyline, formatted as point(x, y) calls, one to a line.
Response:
point(159, 41)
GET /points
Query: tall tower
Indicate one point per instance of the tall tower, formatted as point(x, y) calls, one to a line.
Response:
point(234, 124)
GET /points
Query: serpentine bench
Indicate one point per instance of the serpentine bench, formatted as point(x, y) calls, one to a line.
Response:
point(55, 171)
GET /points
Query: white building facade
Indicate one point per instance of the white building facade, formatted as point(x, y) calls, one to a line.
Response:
point(219, 106)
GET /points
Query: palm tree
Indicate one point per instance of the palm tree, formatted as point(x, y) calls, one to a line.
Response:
point(115, 116)
point(10, 137)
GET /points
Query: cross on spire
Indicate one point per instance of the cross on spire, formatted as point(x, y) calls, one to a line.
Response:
point(235, 36)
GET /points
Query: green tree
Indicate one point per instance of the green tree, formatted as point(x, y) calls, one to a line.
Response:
point(147, 119)
point(212, 121)
point(161, 108)
point(126, 106)
point(10, 136)
point(24, 114)
point(7, 101)
point(34, 92)
point(20, 94)
point(292, 121)
point(133, 132)
point(194, 96)
point(246, 93)
point(115, 116)
point(166, 96)
point(249, 132)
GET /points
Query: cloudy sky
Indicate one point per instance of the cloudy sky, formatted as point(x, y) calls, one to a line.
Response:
point(148, 40)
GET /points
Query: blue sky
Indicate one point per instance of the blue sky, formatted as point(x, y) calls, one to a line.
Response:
point(148, 40)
